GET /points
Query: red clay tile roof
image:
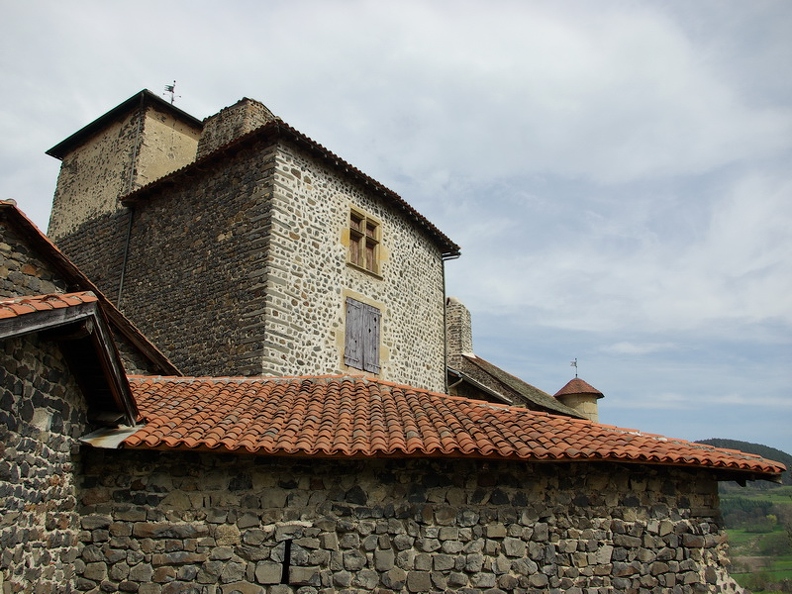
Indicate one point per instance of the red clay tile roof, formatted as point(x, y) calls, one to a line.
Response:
point(18, 306)
point(353, 417)
point(578, 386)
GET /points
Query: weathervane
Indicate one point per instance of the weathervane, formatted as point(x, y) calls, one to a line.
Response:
point(574, 364)
point(172, 90)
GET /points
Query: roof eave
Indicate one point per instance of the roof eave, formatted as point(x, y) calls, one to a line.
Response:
point(144, 97)
point(279, 130)
point(84, 315)
point(721, 473)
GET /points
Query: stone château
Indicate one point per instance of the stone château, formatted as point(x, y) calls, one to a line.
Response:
point(231, 375)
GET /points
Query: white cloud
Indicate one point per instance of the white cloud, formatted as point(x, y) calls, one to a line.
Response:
point(632, 348)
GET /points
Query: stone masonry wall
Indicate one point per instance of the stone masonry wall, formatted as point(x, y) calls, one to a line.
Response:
point(21, 271)
point(232, 122)
point(42, 414)
point(168, 143)
point(93, 176)
point(252, 259)
point(196, 275)
point(310, 279)
point(165, 522)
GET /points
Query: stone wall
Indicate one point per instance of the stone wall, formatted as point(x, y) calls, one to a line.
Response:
point(310, 279)
point(459, 332)
point(163, 522)
point(197, 270)
point(42, 413)
point(230, 123)
point(93, 175)
point(168, 143)
point(21, 271)
point(250, 255)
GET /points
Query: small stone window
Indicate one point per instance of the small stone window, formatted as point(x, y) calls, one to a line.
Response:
point(361, 344)
point(364, 241)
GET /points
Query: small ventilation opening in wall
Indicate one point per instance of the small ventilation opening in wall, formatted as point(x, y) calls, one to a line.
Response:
point(286, 561)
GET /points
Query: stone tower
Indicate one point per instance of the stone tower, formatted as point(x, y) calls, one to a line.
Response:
point(137, 142)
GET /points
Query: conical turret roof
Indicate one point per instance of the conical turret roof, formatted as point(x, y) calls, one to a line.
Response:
point(578, 386)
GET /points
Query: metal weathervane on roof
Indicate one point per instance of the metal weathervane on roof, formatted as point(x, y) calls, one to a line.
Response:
point(172, 90)
point(574, 364)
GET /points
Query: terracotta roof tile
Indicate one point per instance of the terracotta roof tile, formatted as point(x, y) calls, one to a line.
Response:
point(19, 306)
point(352, 416)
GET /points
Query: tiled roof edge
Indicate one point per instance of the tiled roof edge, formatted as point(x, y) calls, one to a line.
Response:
point(278, 129)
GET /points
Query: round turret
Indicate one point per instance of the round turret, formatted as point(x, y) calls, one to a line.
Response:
point(581, 397)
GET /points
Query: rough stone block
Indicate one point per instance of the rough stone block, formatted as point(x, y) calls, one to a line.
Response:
point(419, 581)
point(268, 572)
point(304, 576)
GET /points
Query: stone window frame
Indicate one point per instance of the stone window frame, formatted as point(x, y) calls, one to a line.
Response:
point(365, 239)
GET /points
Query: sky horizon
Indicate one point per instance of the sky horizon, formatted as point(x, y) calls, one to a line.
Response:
point(618, 177)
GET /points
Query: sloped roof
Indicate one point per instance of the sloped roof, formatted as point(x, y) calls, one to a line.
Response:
point(279, 130)
point(77, 281)
point(505, 383)
point(344, 417)
point(76, 322)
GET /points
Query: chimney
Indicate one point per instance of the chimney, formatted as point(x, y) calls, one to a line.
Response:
point(581, 397)
point(459, 335)
point(232, 122)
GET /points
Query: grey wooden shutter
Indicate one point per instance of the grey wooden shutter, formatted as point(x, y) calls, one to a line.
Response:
point(353, 343)
point(371, 338)
point(362, 338)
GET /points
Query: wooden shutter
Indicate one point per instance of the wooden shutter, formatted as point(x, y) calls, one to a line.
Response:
point(362, 338)
point(371, 338)
point(353, 343)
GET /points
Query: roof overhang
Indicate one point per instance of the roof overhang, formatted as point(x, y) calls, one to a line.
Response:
point(76, 323)
point(142, 98)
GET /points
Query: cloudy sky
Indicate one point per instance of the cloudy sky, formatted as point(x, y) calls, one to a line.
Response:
point(616, 172)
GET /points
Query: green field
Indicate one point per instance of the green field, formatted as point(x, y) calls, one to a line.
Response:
point(758, 520)
point(761, 547)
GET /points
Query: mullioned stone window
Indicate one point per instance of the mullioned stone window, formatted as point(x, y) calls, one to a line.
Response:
point(364, 240)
